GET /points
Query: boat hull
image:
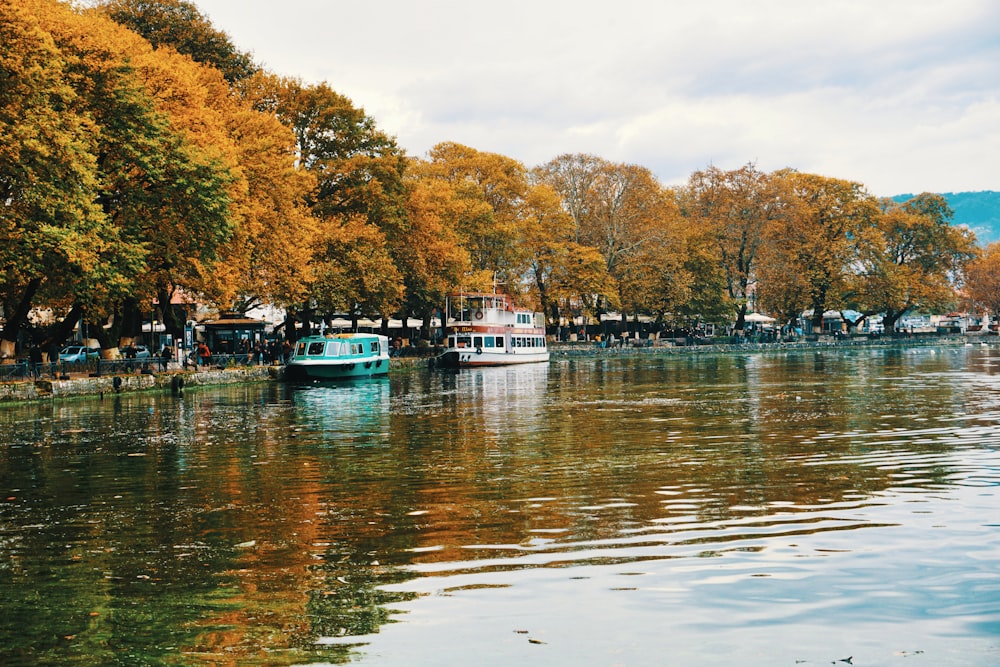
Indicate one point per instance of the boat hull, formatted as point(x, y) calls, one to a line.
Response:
point(327, 370)
point(472, 358)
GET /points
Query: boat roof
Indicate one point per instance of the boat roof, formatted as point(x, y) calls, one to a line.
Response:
point(359, 334)
point(487, 295)
point(496, 295)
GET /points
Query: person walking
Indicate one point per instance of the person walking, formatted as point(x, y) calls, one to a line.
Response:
point(204, 354)
point(165, 355)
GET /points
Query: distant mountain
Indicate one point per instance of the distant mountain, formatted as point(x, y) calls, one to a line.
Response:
point(979, 211)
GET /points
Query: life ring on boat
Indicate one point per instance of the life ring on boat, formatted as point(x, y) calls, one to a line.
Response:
point(479, 314)
point(479, 350)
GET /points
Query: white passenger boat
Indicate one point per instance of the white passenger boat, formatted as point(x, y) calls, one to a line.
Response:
point(484, 329)
point(339, 357)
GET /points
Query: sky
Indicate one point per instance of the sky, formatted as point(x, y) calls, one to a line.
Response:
point(899, 95)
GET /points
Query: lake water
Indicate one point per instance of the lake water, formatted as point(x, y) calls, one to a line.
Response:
point(809, 508)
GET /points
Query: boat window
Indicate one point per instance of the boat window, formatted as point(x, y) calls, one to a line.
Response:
point(300, 350)
point(464, 341)
point(488, 341)
point(499, 341)
point(477, 341)
point(316, 348)
point(333, 349)
point(374, 346)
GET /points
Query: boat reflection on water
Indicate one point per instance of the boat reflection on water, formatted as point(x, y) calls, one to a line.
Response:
point(504, 399)
point(348, 409)
point(500, 382)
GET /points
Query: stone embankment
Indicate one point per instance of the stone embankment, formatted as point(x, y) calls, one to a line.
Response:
point(113, 384)
point(824, 343)
point(82, 384)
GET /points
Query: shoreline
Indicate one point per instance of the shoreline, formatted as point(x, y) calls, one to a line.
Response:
point(176, 380)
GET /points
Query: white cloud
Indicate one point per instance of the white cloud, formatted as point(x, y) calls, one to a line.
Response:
point(898, 94)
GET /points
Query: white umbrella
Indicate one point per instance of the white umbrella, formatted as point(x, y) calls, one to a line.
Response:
point(758, 318)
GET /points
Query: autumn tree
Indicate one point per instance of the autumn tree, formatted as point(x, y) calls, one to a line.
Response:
point(782, 288)
point(572, 273)
point(491, 189)
point(825, 218)
point(357, 172)
point(260, 261)
point(911, 258)
point(558, 266)
point(166, 178)
point(982, 282)
point(629, 221)
point(434, 261)
point(690, 281)
point(573, 176)
point(736, 208)
point(59, 242)
point(354, 271)
point(269, 257)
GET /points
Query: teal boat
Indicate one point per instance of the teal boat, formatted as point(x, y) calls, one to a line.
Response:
point(339, 357)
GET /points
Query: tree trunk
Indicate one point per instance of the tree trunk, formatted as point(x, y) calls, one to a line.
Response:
point(172, 324)
point(129, 324)
point(405, 329)
point(8, 340)
point(62, 330)
point(889, 322)
point(818, 304)
point(741, 318)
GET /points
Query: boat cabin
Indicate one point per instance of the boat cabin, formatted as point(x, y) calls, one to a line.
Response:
point(341, 345)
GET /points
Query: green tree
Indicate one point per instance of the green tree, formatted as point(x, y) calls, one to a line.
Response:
point(179, 24)
point(357, 171)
